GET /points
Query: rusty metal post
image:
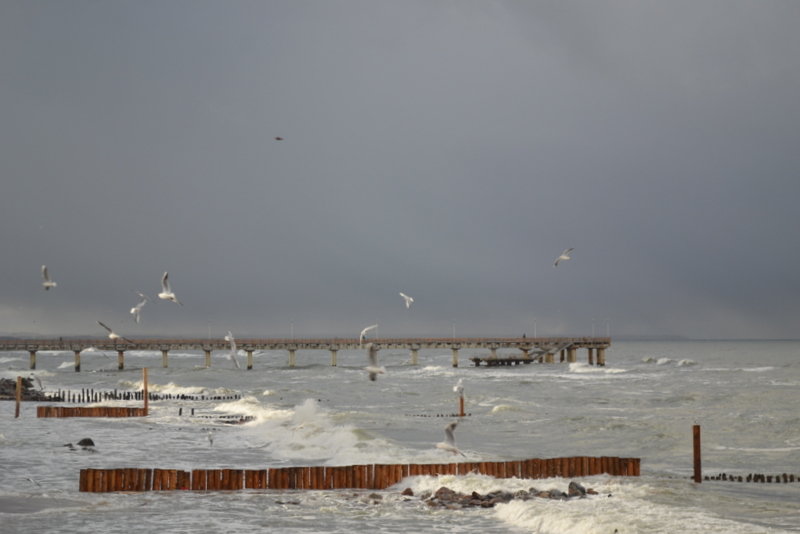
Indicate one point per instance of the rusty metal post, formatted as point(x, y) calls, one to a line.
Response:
point(19, 396)
point(144, 394)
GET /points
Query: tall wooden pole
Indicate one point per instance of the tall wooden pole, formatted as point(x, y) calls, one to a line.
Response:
point(19, 396)
point(698, 473)
point(461, 405)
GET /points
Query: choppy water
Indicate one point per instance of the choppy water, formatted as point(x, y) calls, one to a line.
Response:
point(642, 404)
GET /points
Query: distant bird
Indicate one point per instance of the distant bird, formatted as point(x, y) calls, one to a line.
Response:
point(364, 333)
point(137, 310)
point(210, 439)
point(47, 283)
point(373, 368)
point(113, 335)
point(459, 387)
point(279, 138)
point(564, 256)
point(408, 299)
point(232, 341)
point(166, 291)
point(449, 443)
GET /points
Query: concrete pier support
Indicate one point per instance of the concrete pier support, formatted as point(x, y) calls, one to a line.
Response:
point(561, 356)
point(493, 350)
point(601, 356)
point(526, 354)
point(33, 358)
point(164, 358)
point(549, 358)
point(249, 353)
point(590, 350)
point(455, 356)
point(571, 358)
point(414, 356)
point(333, 357)
point(292, 357)
point(208, 357)
point(120, 360)
point(77, 361)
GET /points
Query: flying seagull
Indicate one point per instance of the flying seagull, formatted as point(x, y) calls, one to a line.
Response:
point(47, 284)
point(113, 335)
point(449, 443)
point(166, 291)
point(232, 341)
point(408, 299)
point(459, 387)
point(136, 310)
point(364, 333)
point(373, 369)
point(564, 256)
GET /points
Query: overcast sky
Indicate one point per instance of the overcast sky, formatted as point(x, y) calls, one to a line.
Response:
point(447, 149)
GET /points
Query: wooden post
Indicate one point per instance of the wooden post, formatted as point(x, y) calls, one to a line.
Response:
point(461, 406)
point(77, 361)
point(19, 396)
point(698, 472)
point(144, 381)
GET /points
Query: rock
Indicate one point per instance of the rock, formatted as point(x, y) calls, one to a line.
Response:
point(86, 442)
point(8, 390)
point(576, 490)
point(408, 491)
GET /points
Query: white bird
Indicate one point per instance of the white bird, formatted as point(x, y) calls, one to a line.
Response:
point(113, 335)
point(564, 256)
point(459, 387)
point(166, 291)
point(232, 341)
point(373, 368)
point(449, 443)
point(47, 283)
point(137, 310)
point(408, 299)
point(364, 333)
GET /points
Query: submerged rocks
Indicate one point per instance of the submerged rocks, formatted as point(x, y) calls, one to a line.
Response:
point(445, 497)
point(8, 390)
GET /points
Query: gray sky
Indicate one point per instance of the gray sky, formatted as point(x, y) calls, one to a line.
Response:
point(447, 149)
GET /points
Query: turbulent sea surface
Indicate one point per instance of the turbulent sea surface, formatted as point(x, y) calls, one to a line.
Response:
point(745, 396)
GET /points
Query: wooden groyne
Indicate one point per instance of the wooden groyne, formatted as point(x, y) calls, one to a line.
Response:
point(89, 411)
point(91, 395)
point(370, 476)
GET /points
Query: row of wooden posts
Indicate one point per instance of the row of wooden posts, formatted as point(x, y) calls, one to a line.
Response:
point(90, 411)
point(91, 395)
point(370, 476)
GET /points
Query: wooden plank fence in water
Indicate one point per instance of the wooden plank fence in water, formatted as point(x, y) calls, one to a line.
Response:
point(370, 476)
point(90, 411)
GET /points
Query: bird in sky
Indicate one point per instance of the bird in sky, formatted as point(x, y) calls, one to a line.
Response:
point(459, 387)
point(47, 283)
point(449, 443)
point(137, 310)
point(166, 291)
point(113, 335)
point(564, 256)
point(232, 341)
point(364, 333)
point(408, 299)
point(373, 368)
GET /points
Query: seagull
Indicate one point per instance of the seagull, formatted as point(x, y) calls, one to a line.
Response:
point(459, 387)
point(449, 443)
point(408, 299)
point(136, 310)
point(229, 337)
point(564, 256)
point(364, 333)
point(113, 335)
point(47, 284)
point(166, 292)
point(373, 368)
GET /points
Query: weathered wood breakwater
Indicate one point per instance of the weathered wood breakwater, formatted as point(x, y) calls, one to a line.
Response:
point(371, 476)
point(538, 349)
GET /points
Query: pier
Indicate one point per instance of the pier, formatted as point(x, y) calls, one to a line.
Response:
point(539, 349)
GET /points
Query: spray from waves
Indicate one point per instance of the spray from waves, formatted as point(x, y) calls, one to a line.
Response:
point(585, 368)
point(309, 435)
point(617, 508)
point(251, 407)
point(173, 389)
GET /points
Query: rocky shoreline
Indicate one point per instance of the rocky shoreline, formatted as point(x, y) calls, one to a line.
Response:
point(447, 498)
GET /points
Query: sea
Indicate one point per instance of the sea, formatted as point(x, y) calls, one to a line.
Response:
point(745, 395)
